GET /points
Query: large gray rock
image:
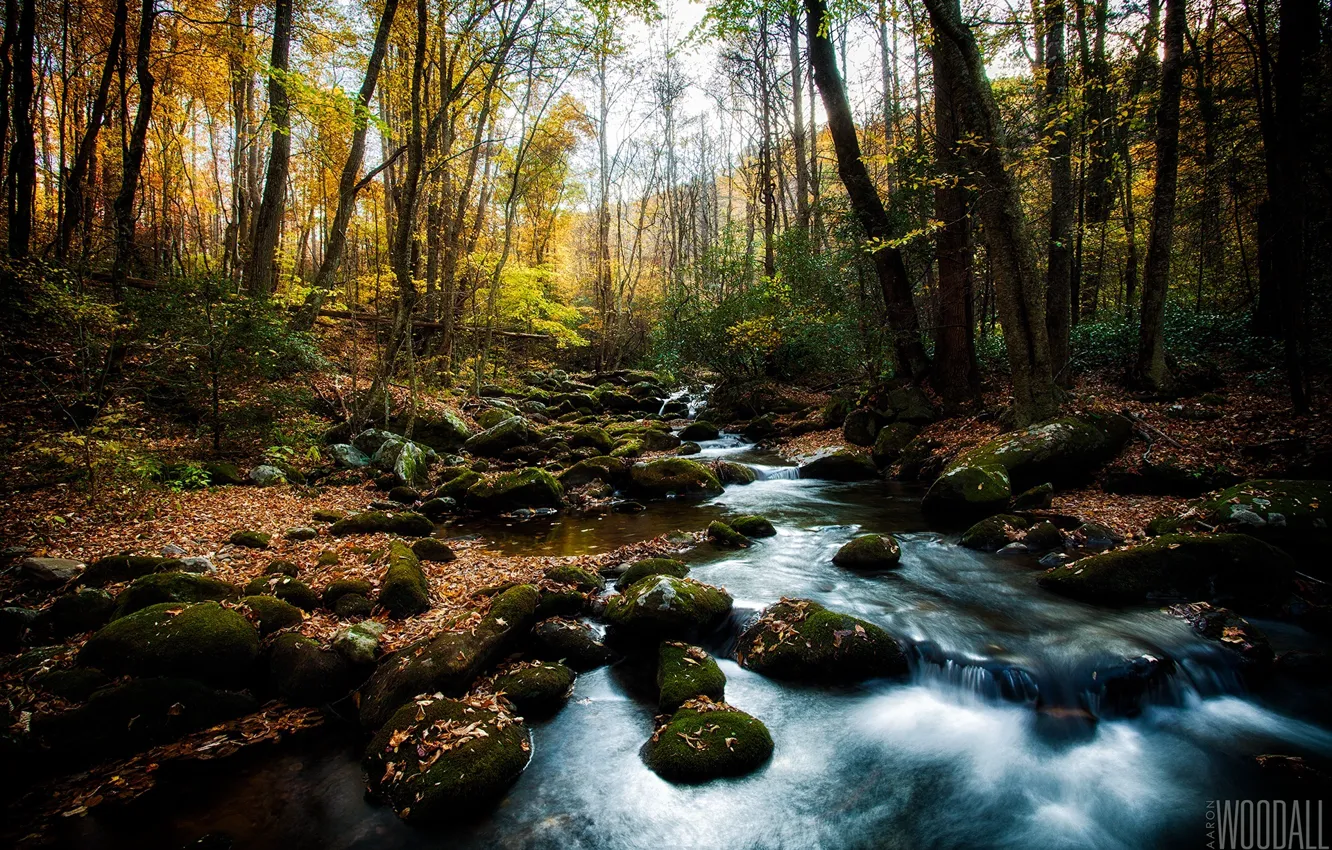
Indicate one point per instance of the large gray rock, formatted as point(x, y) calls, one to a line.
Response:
point(51, 571)
point(348, 456)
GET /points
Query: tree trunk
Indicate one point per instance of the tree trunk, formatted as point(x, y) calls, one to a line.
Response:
point(1020, 299)
point(1150, 369)
point(123, 206)
point(1059, 268)
point(348, 183)
point(73, 213)
point(903, 325)
point(262, 276)
point(798, 126)
point(22, 180)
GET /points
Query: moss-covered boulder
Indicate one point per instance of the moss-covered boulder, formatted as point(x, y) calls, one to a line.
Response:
point(340, 587)
point(79, 611)
point(202, 641)
point(651, 567)
point(592, 437)
point(457, 486)
point(327, 515)
point(304, 673)
point(563, 601)
point(1235, 569)
point(752, 526)
point(674, 476)
point(658, 440)
point(869, 552)
point(404, 523)
point(610, 470)
point(293, 591)
point(663, 607)
point(282, 566)
point(572, 574)
point(1230, 631)
point(405, 590)
point(983, 479)
point(861, 427)
point(571, 641)
point(685, 672)
point(353, 606)
point(117, 568)
point(722, 535)
point(171, 587)
point(138, 714)
point(841, 465)
point(442, 760)
point(441, 430)
point(250, 539)
point(508, 434)
point(509, 491)
point(890, 442)
point(705, 740)
point(800, 639)
point(994, 533)
point(434, 550)
point(270, 614)
point(536, 688)
point(451, 660)
point(700, 431)
point(493, 416)
point(730, 472)
point(359, 643)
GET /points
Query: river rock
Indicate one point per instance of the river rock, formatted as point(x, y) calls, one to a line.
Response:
point(869, 552)
point(118, 568)
point(699, 431)
point(651, 567)
point(800, 639)
point(456, 487)
point(860, 427)
point(674, 476)
point(405, 590)
point(663, 606)
point(572, 574)
point(994, 533)
point(83, 610)
point(722, 535)
point(171, 587)
point(510, 491)
point(303, 673)
point(202, 641)
point(729, 472)
point(271, 614)
point(752, 526)
point(685, 672)
point(841, 465)
point(439, 760)
point(891, 441)
point(508, 434)
point(611, 470)
point(1235, 568)
point(51, 571)
point(571, 641)
point(705, 740)
point(434, 550)
point(590, 436)
point(982, 480)
point(404, 523)
point(536, 688)
point(1231, 631)
point(451, 660)
point(359, 644)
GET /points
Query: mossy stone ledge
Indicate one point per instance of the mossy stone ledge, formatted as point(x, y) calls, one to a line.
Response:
point(667, 607)
point(676, 476)
point(202, 641)
point(651, 567)
point(404, 523)
point(536, 688)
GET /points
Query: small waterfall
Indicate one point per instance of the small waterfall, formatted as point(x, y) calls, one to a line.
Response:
point(694, 399)
point(777, 473)
point(992, 681)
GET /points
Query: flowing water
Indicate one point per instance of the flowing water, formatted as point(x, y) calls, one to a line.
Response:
point(1028, 720)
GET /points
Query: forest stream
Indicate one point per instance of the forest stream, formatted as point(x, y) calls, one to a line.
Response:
point(1027, 720)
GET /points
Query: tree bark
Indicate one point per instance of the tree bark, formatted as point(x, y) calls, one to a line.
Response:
point(903, 324)
point(22, 180)
point(798, 125)
point(262, 276)
point(1059, 267)
point(1020, 299)
point(1150, 369)
point(123, 206)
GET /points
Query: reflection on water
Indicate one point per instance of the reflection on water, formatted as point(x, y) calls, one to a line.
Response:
point(974, 749)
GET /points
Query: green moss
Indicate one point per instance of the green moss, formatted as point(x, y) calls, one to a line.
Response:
point(869, 552)
point(508, 491)
point(611, 470)
point(171, 587)
point(718, 740)
point(303, 673)
point(537, 689)
point(651, 567)
point(663, 606)
point(493, 442)
point(970, 489)
point(721, 534)
point(729, 472)
point(891, 441)
point(340, 587)
point(841, 465)
point(800, 639)
point(117, 568)
point(203, 641)
point(272, 613)
point(326, 515)
point(405, 590)
point(468, 771)
point(994, 533)
point(571, 641)
point(685, 672)
point(683, 477)
point(434, 550)
point(405, 523)
point(563, 602)
point(591, 436)
point(281, 566)
point(85, 609)
point(699, 431)
point(580, 578)
point(629, 447)
point(1233, 567)
point(752, 526)
point(250, 539)
point(328, 558)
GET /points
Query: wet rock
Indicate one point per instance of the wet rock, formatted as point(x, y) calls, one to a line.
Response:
point(860, 427)
point(563, 602)
point(405, 590)
point(674, 476)
point(611, 470)
point(1038, 498)
point(1233, 568)
point(449, 661)
point(663, 607)
point(685, 672)
point(801, 639)
point(1231, 631)
point(628, 506)
point(404, 523)
point(705, 740)
point(509, 491)
point(432, 771)
point(203, 641)
point(1094, 536)
point(700, 431)
point(841, 465)
point(1043, 537)
point(271, 614)
point(50, 572)
point(722, 535)
point(265, 475)
point(650, 567)
point(729, 472)
point(869, 552)
point(249, 539)
point(994, 533)
point(590, 436)
point(171, 587)
point(688, 448)
point(891, 441)
point(359, 644)
point(537, 688)
point(433, 550)
point(584, 580)
point(752, 526)
point(571, 641)
point(438, 508)
point(303, 673)
point(658, 440)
